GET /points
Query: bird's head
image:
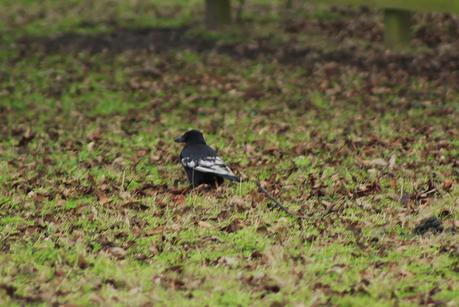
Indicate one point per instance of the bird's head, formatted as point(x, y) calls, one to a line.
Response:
point(191, 137)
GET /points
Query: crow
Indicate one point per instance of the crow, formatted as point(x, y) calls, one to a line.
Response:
point(201, 163)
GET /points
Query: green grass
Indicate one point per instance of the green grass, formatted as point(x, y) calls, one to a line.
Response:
point(93, 202)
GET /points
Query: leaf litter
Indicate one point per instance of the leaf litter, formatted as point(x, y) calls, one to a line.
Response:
point(358, 140)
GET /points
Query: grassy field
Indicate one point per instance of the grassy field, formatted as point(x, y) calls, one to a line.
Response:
point(361, 141)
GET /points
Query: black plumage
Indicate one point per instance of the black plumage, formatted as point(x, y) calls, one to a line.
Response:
point(201, 163)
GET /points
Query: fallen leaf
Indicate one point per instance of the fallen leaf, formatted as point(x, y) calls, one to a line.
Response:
point(376, 162)
point(103, 198)
point(234, 226)
point(447, 184)
point(392, 162)
point(228, 261)
point(204, 224)
point(118, 252)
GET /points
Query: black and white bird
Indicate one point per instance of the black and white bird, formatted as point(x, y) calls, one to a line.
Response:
point(201, 163)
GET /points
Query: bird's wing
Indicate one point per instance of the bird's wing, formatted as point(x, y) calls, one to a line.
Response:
point(188, 162)
point(210, 164)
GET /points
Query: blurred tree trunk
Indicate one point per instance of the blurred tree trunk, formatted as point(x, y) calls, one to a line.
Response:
point(397, 28)
point(239, 11)
point(218, 13)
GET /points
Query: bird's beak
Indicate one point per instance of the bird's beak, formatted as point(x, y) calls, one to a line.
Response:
point(179, 139)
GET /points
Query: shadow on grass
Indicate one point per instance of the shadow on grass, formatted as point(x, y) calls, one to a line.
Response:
point(440, 66)
point(116, 41)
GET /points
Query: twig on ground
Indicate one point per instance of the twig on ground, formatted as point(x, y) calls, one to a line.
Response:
point(335, 207)
point(275, 201)
point(332, 209)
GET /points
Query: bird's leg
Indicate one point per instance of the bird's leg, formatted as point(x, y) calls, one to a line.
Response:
point(192, 179)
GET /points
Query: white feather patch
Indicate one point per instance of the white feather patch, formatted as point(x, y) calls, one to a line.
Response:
point(214, 165)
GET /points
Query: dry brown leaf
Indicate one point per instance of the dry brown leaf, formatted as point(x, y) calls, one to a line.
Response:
point(118, 252)
point(103, 198)
point(204, 224)
point(447, 184)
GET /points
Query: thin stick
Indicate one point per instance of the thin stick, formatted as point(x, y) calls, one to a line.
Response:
point(333, 208)
point(275, 201)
